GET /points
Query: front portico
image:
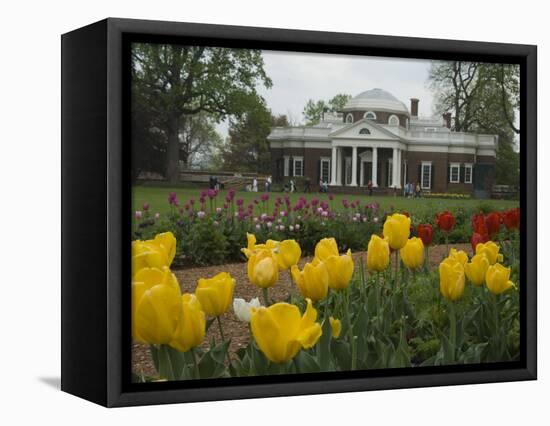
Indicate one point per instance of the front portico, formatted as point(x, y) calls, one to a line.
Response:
point(356, 149)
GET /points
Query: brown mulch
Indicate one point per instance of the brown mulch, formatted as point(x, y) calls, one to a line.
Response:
point(232, 327)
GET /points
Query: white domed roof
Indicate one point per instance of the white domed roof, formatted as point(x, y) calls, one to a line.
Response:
point(376, 100)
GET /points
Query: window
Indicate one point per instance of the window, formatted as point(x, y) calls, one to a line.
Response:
point(390, 173)
point(426, 176)
point(324, 173)
point(364, 131)
point(286, 167)
point(349, 118)
point(454, 173)
point(370, 115)
point(468, 168)
point(298, 166)
point(393, 120)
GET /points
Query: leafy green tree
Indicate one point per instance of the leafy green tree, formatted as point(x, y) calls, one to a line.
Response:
point(247, 149)
point(483, 98)
point(175, 82)
point(314, 110)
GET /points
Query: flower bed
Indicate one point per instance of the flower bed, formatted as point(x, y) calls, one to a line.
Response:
point(344, 313)
point(210, 229)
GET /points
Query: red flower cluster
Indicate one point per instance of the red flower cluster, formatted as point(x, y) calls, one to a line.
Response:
point(511, 218)
point(445, 221)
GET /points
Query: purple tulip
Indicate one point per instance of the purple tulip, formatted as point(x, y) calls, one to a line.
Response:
point(145, 207)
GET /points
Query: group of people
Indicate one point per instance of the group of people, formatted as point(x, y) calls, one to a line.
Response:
point(411, 190)
point(214, 183)
point(254, 186)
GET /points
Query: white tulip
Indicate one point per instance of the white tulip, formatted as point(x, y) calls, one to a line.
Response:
point(242, 308)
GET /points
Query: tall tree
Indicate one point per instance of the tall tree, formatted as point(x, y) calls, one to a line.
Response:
point(176, 82)
point(483, 98)
point(247, 149)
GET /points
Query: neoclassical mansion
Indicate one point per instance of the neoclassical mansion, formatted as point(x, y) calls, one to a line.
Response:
point(376, 138)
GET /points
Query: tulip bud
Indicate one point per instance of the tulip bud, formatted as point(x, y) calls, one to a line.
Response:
point(156, 305)
point(476, 269)
point(397, 229)
point(511, 218)
point(335, 327)
point(288, 254)
point(280, 331)
point(498, 279)
point(325, 248)
point(491, 250)
point(445, 221)
point(412, 253)
point(263, 269)
point(451, 279)
point(156, 253)
point(215, 294)
point(340, 270)
point(378, 254)
point(425, 233)
point(242, 308)
point(191, 325)
point(459, 255)
point(313, 281)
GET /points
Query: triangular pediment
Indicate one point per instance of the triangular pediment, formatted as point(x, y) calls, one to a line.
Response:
point(363, 129)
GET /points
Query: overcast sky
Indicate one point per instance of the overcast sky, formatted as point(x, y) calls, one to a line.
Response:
point(298, 77)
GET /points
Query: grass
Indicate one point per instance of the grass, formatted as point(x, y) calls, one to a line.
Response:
point(157, 197)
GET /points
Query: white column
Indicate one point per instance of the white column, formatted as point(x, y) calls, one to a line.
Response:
point(361, 173)
point(374, 166)
point(399, 168)
point(394, 169)
point(333, 167)
point(354, 166)
point(338, 166)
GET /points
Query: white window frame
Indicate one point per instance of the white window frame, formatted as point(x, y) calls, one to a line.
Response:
point(325, 160)
point(395, 118)
point(373, 115)
point(286, 166)
point(349, 118)
point(294, 162)
point(429, 186)
point(468, 167)
point(455, 166)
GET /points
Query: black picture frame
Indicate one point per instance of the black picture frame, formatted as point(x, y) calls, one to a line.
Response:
point(96, 186)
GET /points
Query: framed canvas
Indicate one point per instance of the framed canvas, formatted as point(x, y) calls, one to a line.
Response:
point(255, 212)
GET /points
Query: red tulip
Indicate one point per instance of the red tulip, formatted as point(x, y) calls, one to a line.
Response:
point(425, 233)
point(492, 221)
point(445, 221)
point(511, 218)
point(478, 224)
point(478, 238)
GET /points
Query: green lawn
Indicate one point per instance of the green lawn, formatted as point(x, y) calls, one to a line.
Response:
point(157, 197)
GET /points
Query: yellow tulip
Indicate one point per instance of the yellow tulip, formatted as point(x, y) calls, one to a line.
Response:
point(325, 248)
point(252, 247)
point(215, 294)
point(412, 253)
point(280, 331)
point(288, 253)
point(155, 253)
point(156, 305)
point(451, 279)
point(263, 269)
point(397, 229)
point(378, 254)
point(191, 325)
point(498, 279)
point(491, 250)
point(335, 327)
point(477, 269)
point(340, 270)
point(459, 255)
point(312, 281)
